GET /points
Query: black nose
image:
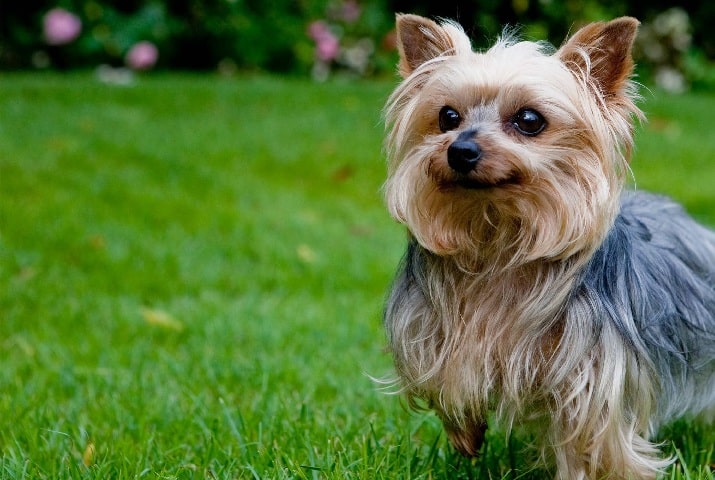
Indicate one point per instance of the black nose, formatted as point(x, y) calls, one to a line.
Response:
point(463, 156)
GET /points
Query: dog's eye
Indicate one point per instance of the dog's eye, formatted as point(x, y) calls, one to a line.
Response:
point(449, 119)
point(528, 122)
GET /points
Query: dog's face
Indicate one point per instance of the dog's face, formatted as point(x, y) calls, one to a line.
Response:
point(516, 153)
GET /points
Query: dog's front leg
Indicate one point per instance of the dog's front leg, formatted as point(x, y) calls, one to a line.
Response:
point(467, 435)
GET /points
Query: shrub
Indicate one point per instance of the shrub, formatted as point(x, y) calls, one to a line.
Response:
point(323, 37)
point(192, 34)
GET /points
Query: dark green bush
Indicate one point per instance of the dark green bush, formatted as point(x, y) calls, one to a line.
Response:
point(318, 36)
point(190, 34)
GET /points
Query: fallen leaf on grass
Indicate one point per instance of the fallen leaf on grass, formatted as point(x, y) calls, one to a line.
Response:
point(306, 254)
point(343, 173)
point(23, 345)
point(162, 319)
point(88, 455)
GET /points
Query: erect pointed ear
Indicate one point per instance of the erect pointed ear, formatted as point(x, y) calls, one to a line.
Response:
point(419, 39)
point(602, 52)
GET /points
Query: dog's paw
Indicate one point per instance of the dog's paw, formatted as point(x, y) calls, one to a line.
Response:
point(468, 439)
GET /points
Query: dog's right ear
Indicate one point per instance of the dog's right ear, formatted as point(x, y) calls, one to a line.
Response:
point(419, 39)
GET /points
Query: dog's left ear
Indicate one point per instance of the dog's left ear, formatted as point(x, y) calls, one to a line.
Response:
point(602, 52)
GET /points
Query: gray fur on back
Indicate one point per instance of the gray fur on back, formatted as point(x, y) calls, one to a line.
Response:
point(654, 280)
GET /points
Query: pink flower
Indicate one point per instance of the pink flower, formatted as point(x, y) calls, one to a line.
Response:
point(350, 11)
point(61, 27)
point(317, 29)
point(327, 45)
point(142, 56)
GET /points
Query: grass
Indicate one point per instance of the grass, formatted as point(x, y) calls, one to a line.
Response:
point(192, 273)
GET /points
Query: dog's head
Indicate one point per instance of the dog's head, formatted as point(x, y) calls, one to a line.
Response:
point(516, 153)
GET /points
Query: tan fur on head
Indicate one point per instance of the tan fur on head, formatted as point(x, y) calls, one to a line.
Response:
point(556, 185)
point(502, 244)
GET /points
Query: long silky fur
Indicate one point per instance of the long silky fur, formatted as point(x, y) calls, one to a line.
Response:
point(636, 346)
point(597, 318)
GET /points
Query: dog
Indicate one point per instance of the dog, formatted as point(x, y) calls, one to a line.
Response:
point(536, 287)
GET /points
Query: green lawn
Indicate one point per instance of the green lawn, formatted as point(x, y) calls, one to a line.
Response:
point(192, 272)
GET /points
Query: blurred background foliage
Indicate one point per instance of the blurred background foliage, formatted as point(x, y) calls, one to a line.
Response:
point(325, 37)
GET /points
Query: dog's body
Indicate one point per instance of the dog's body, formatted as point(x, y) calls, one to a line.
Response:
point(532, 286)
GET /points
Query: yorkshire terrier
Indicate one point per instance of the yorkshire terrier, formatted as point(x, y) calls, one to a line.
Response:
point(534, 286)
